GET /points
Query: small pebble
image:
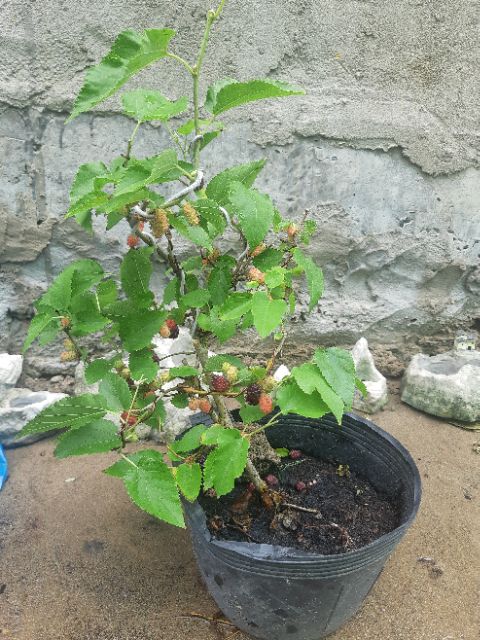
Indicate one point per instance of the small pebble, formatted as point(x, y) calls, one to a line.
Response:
point(70, 479)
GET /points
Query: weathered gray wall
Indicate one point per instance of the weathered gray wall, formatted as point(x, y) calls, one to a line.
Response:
point(384, 147)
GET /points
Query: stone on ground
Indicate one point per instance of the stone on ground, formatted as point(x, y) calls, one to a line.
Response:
point(17, 407)
point(373, 380)
point(10, 371)
point(446, 385)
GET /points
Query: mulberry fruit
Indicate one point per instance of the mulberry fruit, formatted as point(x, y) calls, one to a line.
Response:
point(256, 274)
point(220, 383)
point(204, 405)
point(132, 241)
point(253, 393)
point(265, 404)
point(190, 213)
point(159, 223)
point(173, 326)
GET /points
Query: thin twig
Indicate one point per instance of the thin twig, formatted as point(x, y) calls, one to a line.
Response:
point(299, 508)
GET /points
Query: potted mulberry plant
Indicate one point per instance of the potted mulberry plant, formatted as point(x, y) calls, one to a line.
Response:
point(255, 486)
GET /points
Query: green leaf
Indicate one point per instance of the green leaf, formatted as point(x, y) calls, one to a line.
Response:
point(267, 313)
point(171, 291)
point(135, 272)
point(254, 211)
point(236, 305)
point(106, 292)
point(220, 279)
point(141, 365)
point(226, 94)
point(361, 387)
point(211, 217)
point(90, 177)
point(194, 233)
point(225, 464)
point(96, 370)
point(313, 274)
point(151, 485)
point(180, 400)
point(157, 419)
point(338, 369)
point(190, 440)
point(215, 363)
point(165, 168)
point(137, 328)
point(275, 277)
point(218, 189)
point(68, 412)
point(118, 202)
point(251, 413)
point(183, 372)
point(216, 434)
point(130, 53)
point(144, 105)
point(291, 399)
point(96, 437)
point(189, 480)
point(40, 323)
point(282, 452)
point(196, 299)
point(268, 259)
point(309, 379)
point(116, 392)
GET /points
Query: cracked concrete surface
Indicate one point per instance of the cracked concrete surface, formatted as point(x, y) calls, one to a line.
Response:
point(384, 149)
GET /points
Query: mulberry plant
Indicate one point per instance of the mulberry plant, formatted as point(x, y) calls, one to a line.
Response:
point(167, 201)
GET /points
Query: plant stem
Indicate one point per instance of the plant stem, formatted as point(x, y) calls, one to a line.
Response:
point(130, 142)
point(181, 60)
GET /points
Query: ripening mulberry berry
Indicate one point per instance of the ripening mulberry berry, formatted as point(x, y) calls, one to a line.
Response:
point(65, 322)
point(69, 344)
point(231, 372)
point(173, 326)
point(265, 404)
point(258, 250)
point(140, 225)
point(204, 405)
point(132, 241)
point(220, 383)
point(271, 480)
point(193, 404)
point(268, 384)
point(128, 418)
point(159, 223)
point(190, 213)
point(300, 486)
point(295, 454)
point(253, 393)
point(256, 274)
point(292, 231)
point(164, 331)
point(68, 356)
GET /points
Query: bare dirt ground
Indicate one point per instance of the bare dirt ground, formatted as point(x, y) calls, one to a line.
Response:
point(79, 562)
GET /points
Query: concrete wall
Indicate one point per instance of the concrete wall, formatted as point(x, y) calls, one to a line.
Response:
point(384, 148)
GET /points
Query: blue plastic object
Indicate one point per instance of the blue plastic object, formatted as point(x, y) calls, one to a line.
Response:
point(3, 467)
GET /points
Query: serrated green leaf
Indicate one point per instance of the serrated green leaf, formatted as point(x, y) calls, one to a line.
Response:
point(267, 313)
point(68, 412)
point(130, 53)
point(180, 400)
point(142, 366)
point(106, 292)
point(338, 369)
point(39, 324)
point(196, 299)
point(251, 413)
point(137, 328)
point(254, 211)
point(226, 94)
point(215, 363)
point(275, 277)
point(97, 437)
point(218, 189)
point(268, 259)
point(236, 305)
point(116, 392)
point(220, 279)
point(189, 480)
point(361, 387)
point(157, 419)
point(211, 217)
point(216, 433)
point(190, 440)
point(171, 291)
point(194, 233)
point(313, 274)
point(96, 370)
point(165, 167)
point(309, 379)
point(291, 399)
point(282, 452)
point(145, 105)
point(183, 372)
point(225, 464)
point(151, 485)
point(135, 272)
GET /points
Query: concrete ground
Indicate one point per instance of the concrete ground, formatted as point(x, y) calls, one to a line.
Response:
point(79, 562)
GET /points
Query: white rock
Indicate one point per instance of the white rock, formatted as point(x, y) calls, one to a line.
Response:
point(181, 345)
point(176, 422)
point(375, 383)
point(281, 373)
point(17, 408)
point(446, 385)
point(10, 371)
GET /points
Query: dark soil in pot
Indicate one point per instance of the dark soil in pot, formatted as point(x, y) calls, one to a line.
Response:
point(325, 508)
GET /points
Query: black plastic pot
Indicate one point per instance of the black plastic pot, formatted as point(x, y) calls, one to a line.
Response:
point(280, 593)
